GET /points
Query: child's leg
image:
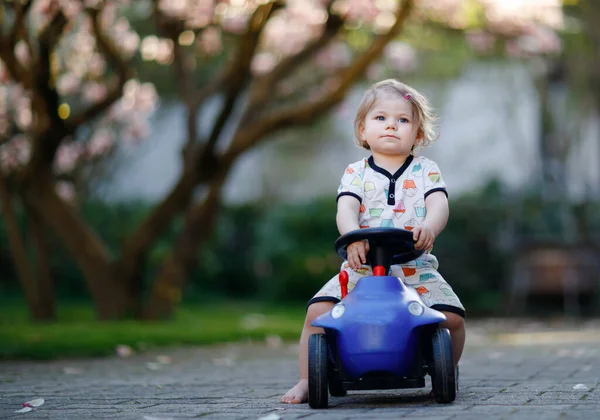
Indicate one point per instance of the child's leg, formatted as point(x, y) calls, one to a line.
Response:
point(456, 324)
point(299, 393)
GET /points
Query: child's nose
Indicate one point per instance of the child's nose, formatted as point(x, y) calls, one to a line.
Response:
point(391, 124)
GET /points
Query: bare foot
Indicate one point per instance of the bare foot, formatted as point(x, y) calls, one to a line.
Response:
point(298, 394)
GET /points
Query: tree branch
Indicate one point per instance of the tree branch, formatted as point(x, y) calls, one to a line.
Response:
point(241, 69)
point(171, 28)
point(19, 30)
point(250, 135)
point(262, 88)
point(112, 55)
point(223, 78)
point(7, 47)
point(49, 129)
point(144, 235)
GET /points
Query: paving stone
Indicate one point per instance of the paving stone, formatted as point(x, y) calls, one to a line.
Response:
point(509, 379)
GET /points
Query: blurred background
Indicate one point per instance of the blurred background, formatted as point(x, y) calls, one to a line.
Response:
point(168, 169)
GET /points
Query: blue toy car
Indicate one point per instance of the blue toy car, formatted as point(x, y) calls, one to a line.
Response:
point(381, 335)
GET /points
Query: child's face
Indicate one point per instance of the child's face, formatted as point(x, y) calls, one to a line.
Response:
point(389, 127)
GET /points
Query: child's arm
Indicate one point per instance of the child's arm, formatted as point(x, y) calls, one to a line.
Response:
point(435, 220)
point(347, 214)
point(346, 218)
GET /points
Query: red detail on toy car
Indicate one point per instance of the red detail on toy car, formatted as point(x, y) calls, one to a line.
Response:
point(343, 278)
point(378, 270)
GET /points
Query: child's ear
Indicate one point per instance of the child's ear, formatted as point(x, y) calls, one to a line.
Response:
point(419, 135)
point(418, 139)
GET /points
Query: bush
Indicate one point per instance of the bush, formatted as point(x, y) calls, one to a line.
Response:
point(285, 252)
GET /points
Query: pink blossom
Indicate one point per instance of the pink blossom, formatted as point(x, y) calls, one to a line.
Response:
point(67, 84)
point(146, 98)
point(96, 65)
point(24, 117)
point(401, 56)
point(130, 43)
point(262, 63)
point(100, 143)
point(22, 52)
point(92, 3)
point(43, 6)
point(174, 8)
point(210, 41)
point(538, 39)
point(65, 190)
point(336, 55)
point(360, 10)
point(94, 92)
point(235, 24)
point(109, 14)
point(375, 71)
point(512, 48)
point(15, 153)
point(71, 8)
point(67, 156)
point(135, 131)
point(480, 41)
point(164, 51)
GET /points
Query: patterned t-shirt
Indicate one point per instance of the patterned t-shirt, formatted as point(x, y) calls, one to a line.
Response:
point(392, 200)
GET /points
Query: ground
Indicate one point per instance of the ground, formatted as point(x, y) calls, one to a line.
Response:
point(511, 370)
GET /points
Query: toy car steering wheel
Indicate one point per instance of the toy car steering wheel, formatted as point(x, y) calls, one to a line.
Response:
point(387, 246)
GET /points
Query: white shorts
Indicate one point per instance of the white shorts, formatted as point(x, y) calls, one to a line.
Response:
point(420, 275)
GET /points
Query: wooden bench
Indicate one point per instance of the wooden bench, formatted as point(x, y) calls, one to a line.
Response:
point(553, 270)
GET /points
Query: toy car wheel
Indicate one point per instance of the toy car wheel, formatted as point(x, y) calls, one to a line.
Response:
point(336, 388)
point(317, 371)
point(443, 377)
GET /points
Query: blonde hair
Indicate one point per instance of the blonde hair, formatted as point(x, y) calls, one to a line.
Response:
point(422, 111)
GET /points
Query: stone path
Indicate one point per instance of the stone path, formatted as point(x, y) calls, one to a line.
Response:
point(516, 371)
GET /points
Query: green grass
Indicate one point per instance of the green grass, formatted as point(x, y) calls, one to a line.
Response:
point(77, 334)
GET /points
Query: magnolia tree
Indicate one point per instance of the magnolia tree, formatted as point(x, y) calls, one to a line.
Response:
point(69, 97)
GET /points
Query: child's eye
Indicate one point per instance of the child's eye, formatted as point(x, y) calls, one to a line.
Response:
point(380, 118)
point(403, 120)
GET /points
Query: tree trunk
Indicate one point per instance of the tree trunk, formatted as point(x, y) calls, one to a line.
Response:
point(130, 265)
point(43, 272)
point(19, 254)
point(82, 243)
point(167, 287)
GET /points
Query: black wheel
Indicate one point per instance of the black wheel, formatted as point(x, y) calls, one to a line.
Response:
point(336, 388)
point(443, 374)
point(317, 371)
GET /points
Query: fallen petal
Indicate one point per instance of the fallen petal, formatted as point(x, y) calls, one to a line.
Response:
point(581, 387)
point(24, 410)
point(72, 371)
point(34, 403)
point(271, 416)
point(224, 361)
point(273, 341)
point(157, 418)
point(252, 321)
point(163, 360)
point(124, 350)
point(152, 366)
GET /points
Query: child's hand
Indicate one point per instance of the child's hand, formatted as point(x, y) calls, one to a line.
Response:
point(424, 237)
point(357, 254)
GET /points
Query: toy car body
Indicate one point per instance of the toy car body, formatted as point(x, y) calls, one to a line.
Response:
point(381, 335)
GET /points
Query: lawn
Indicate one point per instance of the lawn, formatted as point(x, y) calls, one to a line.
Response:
point(77, 334)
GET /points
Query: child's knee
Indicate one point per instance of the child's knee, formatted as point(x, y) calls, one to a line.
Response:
point(316, 309)
point(454, 322)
